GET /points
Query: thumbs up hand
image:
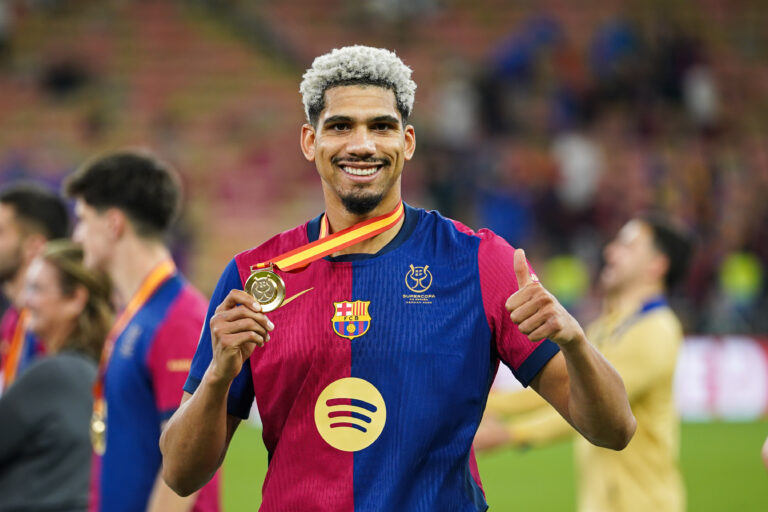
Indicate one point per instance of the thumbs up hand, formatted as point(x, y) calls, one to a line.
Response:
point(536, 312)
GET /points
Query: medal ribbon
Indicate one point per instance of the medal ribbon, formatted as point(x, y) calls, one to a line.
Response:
point(159, 275)
point(11, 363)
point(328, 244)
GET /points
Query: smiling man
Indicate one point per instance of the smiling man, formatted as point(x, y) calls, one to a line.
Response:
point(371, 378)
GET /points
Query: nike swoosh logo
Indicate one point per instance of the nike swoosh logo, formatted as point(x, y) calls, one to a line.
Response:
point(291, 298)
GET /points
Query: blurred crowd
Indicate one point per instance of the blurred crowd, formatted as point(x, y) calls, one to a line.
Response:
point(553, 136)
point(554, 149)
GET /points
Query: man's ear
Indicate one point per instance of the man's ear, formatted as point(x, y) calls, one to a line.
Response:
point(410, 142)
point(308, 142)
point(117, 222)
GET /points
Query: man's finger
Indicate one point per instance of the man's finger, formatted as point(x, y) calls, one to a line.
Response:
point(242, 325)
point(237, 297)
point(525, 310)
point(239, 312)
point(522, 272)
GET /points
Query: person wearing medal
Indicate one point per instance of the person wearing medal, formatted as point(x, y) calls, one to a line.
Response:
point(371, 374)
point(125, 204)
point(45, 450)
point(640, 335)
point(30, 215)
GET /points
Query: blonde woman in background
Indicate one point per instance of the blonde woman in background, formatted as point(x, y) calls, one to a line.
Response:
point(45, 447)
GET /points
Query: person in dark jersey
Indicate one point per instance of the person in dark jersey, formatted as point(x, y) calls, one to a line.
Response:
point(45, 449)
point(125, 203)
point(372, 374)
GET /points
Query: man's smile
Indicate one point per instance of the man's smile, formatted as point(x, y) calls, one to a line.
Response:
point(360, 171)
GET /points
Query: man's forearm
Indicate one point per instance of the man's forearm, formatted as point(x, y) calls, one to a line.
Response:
point(196, 437)
point(597, 402)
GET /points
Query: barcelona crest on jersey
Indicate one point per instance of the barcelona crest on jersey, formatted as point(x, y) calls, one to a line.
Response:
point(351, 319)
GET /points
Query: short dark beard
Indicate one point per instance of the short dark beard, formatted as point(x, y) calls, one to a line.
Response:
point(361, 204)
point(11, 269)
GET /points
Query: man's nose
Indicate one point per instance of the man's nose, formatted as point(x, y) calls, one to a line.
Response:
point(361, 143)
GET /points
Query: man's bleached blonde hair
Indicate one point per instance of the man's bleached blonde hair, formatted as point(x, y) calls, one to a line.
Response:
point(357, 65)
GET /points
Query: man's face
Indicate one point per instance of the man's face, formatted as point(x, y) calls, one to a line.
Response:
point(11, 239)
point(359, 147)
point(631, 258)
point(93, 232)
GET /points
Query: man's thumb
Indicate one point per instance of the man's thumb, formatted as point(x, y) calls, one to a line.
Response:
point(522, 272)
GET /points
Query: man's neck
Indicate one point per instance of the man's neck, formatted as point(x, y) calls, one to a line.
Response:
point(134, 259)
point(339, 218)
point(633, 297)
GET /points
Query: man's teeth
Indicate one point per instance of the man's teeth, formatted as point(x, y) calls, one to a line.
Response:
point(360, 172)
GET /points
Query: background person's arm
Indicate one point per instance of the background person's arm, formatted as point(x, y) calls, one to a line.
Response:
point(536, 425)
point(22, 407)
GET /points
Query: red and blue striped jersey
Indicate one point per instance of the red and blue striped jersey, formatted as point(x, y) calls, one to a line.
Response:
point(143, 387)
point(376, 376)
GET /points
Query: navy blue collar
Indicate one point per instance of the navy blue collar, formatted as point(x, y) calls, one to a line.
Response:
point(409, 224)
point(650, 305)
point(653, 303)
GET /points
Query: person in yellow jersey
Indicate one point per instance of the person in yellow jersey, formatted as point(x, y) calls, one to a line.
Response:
point(641, 336)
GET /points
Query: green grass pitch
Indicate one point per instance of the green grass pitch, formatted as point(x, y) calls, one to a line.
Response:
point(721, 466)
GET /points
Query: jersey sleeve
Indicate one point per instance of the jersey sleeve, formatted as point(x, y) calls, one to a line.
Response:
point(171, 350)
point(497, 282)
point(241, 395)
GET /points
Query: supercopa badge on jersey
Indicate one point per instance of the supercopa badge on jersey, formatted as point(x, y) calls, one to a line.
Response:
point(266, 287)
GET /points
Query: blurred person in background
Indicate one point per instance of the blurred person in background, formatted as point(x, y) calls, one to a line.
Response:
point(30, 216)
point(126, 202)
point(641, 336)
point(45, 447)
point(373, 404)
point(765, 453)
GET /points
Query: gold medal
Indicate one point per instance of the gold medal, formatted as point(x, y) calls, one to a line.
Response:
point(267, 288)
point(99, 430)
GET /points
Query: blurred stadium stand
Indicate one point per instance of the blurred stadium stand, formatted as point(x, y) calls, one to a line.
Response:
point(547, 121)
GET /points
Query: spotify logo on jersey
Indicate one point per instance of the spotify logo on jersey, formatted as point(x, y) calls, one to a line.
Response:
point(350, 414)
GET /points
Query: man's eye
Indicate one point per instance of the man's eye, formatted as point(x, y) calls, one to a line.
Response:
point(339, 127)
point(382, 127)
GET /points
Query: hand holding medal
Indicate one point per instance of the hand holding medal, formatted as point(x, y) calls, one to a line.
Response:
point(239, 325)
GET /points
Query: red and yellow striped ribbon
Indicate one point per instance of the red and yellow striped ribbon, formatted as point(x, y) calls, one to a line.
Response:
point(18, 340)
point(328, 244)
point(151, 283)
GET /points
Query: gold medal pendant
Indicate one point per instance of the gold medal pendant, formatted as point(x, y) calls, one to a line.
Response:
point(99, 430)
point(267, 288)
